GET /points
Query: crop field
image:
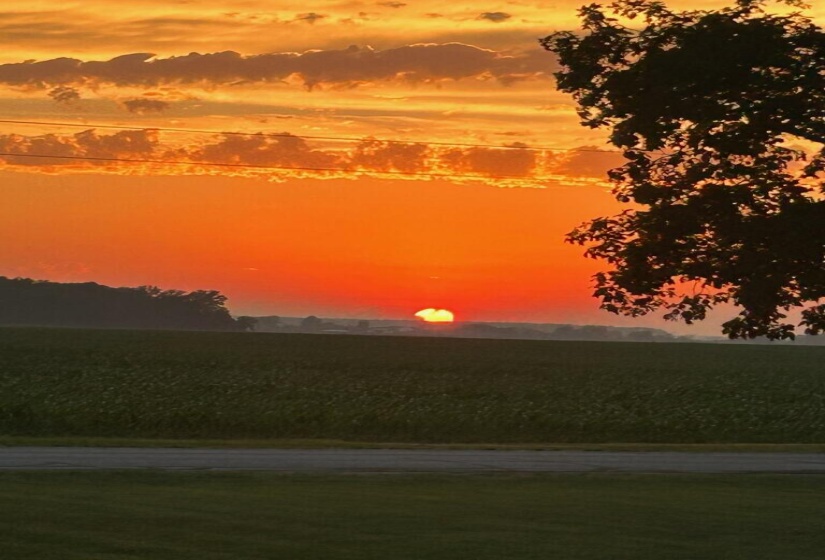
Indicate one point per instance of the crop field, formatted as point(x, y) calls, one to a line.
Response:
point(141, 384)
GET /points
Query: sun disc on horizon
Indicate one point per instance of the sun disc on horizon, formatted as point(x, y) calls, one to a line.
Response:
point(432, 315)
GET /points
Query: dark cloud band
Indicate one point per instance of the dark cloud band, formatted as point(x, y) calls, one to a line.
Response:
point(351, 66)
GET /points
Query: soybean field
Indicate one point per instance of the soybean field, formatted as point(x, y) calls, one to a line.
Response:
point(155, 384)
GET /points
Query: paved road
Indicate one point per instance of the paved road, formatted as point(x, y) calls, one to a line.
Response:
point(389, 460)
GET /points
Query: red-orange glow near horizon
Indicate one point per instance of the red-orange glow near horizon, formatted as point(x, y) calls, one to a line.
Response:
point(432, 315)
point(331, 249)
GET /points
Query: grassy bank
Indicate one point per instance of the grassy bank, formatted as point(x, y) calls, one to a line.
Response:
point(223, 386)
point(128, 515)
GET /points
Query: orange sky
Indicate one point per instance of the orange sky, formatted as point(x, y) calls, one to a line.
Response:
point(461, 91)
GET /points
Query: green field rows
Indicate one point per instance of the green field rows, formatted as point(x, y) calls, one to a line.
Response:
point(128, 384)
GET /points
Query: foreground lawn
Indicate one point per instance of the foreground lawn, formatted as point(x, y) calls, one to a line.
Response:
point(64, 383)
point(180, 516)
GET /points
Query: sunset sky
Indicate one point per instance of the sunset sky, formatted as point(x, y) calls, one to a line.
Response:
point(343, 159)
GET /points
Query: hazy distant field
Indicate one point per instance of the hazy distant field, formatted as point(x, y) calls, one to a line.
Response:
point(393, 389)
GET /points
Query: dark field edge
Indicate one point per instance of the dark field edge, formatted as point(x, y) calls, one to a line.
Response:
point(17, 441)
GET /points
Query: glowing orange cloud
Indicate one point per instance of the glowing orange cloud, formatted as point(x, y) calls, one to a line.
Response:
point(277, 156)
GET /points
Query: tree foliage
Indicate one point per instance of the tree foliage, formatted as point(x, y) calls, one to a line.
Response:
point(24, 301)
point(721, 117)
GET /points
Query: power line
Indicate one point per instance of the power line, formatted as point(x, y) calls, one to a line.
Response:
point(288, 135)
point(273, 167)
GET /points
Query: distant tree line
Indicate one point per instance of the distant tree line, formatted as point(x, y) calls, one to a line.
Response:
point(24, 301)
point(566, 332)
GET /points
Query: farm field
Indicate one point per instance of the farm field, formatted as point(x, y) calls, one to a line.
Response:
point(257, 386)
point(157, 516)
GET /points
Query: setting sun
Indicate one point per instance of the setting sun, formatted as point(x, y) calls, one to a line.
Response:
point(431, 315)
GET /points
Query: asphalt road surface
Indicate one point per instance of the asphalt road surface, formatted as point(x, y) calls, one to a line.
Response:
point(404, 460)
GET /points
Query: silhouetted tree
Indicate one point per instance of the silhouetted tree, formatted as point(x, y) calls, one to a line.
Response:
point(714, 111)
point(28, 302)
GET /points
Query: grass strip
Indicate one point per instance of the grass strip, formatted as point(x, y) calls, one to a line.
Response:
point(218, 516)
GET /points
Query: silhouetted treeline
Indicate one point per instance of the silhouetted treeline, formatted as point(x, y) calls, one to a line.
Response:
point(31, 302)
